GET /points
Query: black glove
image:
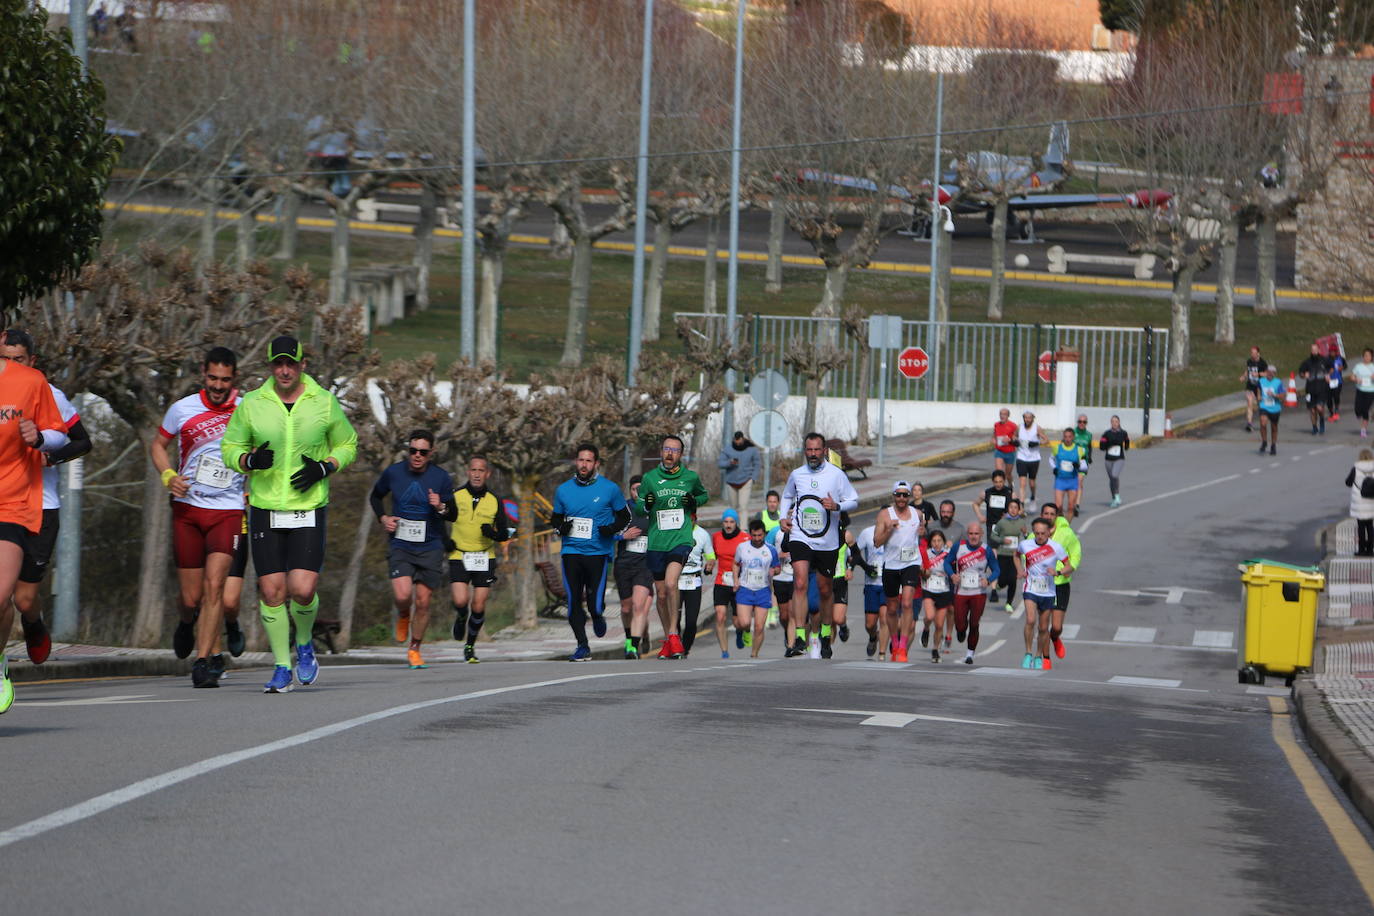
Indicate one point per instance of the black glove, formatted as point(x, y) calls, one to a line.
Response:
point(489, 531)
point(609, 531)
point(311, 473)
point(450, 545)
point(563, 526)
point(689, 502)
point(869, 570)
point(261, 458)
point(648, 501)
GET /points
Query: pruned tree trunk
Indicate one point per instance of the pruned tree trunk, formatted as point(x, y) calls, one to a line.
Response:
point(1225, 332)
point(205, 252)
point(560, 242)
point(525, 584)
point(777, 223)
point(658, 266)
point(152, 571)
point(424, 244)
point(579, 290)
point(832, 299)
point(245, 236)
point(1266, 241)
point(997, 285)
point(813, 390)
point(290, 232)
point(348, 600)
point(338, 257)
point(711, 268)
point(942, 239)
point(488, 302)
point(1180, 304)
point(863, 436)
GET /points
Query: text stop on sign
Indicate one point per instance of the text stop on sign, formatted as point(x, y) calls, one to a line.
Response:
point(1044, 366)
point(913, 362)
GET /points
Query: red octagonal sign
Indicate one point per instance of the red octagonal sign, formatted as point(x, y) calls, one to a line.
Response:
point(913, 362)
point(1044, 366)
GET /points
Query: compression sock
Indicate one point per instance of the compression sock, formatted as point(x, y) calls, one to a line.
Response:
point(304, 617)
point(801, 633)
point(475, 621)
point(278, 627)
point(825, 631)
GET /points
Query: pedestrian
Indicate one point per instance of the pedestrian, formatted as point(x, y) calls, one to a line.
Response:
point(973, 567)
point(992, 502)
point(670, 495)
point(1363, 371)
point(1254, 371)
point(689, 586)
point(723, 545)
point(1028, 440)
point(936, 595)
point(1004, 442)
point(634, 583)
point(783, 583)
point(1360, 480)
point(1084, 439)
point(756, 562)
point(588, 514)
point(1316, 369)
point(1068, 461)
point(1011, 529)
point(1114, 445)
point(741, 463)
point(1270, 408)
point(898, 533)
point(1335, 382)
point(1036, 560)
point(288, 499)
point(1064, 536)
point(480, 523)
point(870, 557)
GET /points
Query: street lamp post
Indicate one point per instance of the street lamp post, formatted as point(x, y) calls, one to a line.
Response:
point(727, 420)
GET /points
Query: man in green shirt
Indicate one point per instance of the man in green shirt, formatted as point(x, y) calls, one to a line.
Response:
point(1084, 440)
point(287, 498)
point(670, 495)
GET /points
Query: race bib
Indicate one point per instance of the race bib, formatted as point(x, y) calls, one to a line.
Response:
point(811, 520)
point(1113, 451)
point(971, 579)
point(753, 578)
point(908, 553)
point(410, 530)
point(727, 578)
point(637, 545)
point(937, 581)
point(581, 528)
point(476, 560)
point(299, 518)
point(1066, 466)
point(997, 502)
point(1011, 540)
point(688, 582)
point(1039, 584)
point(1001, 440)
point(669, 519)
point(212, 472)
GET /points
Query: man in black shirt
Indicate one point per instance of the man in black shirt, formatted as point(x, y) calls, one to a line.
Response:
point(1316, 369)
point(1254, 371)
point(994, 498)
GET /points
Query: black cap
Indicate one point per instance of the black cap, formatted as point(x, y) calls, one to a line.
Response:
point(285, 346)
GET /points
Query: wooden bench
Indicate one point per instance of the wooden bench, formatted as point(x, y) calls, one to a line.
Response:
point(370, 210)
point(847, 461)
point(1143, 266)
point(555, 593)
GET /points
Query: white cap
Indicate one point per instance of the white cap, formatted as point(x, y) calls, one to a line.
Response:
point(901, 485)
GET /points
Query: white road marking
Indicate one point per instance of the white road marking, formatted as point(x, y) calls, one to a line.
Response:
point(1214, 639)
point(100, 701)
point(1254, 470)
point(1143, 681)
point(143, 787)
point(1256, 690)
point(1070, 631)
point(1134, 634)
point(1296, 458)
point(1172, 594)
point(1275, 464)
point(880, 666)
point(991, 629)
point(994, 647)
point(1150, 645)
point(894, 719)
point(1149, 499)
point(1016, 614)
point(1009, 672)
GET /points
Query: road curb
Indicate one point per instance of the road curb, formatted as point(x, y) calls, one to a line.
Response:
point(1352, 769)
point(953, 454)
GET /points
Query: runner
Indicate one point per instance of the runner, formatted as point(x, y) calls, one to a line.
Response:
point(870, 556)
point(289, 499)
point(784, 581)
point(994, 498)
point(945, 523)
point(1004, 442)
point(973, 567)
point(1036, 558)
point(937, 596)
point(17, 345)
point(30, 427)
point(841, 589)
point(670, 494)
point(480, 524)
point(898, 533)
point(634, 583)
point(1317, 369)
point(1270, 406)
point(689, 585)
point(771, 516)
point(1114, 445)
point(1254, 371)
point(1065, 537)
point(1028, 440)
point(421, 501)
point(756, 563)
point(922, 505)
point(588, 513)
point(1363, 372)
point(1067, 464)
point(723, 544)
point(1084, 440)
point(815, 495)
point(1336, 381)
point(1011, 529)
point(207, 513)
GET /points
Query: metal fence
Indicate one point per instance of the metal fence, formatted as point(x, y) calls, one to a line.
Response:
point(1120, 368)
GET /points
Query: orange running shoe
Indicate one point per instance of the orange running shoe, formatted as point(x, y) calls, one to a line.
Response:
point(899, 654)
point(1058, 647)
point(37, 640)
point(413, 656)
point(1046, 664)
point(402, 629)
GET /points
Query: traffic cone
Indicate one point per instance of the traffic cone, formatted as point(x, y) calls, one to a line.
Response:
point(1168, 426)
point(1291, 398)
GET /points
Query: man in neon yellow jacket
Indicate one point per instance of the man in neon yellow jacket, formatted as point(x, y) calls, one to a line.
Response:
point(291, 416)
point(1074, 548)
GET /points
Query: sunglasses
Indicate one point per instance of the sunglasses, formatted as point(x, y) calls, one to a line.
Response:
point(420, 451)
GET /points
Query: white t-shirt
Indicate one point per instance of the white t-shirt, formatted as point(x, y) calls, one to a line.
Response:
point(1028, 442)
point(872, 554)
point(1364, 377)
point(938, 579)
point(903, 547)
point(701, 549)
point(812, 523)
point(1040, 565)
point(784, 573)
point(69, 418)
point(198, 428)
point(754, 564)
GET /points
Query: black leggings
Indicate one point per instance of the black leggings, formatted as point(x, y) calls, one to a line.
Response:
point(584, 579)
point(691, 608)
point(1333, 399)
point(1364, 535)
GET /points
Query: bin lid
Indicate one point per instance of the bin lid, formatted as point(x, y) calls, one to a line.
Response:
point(1306, 569)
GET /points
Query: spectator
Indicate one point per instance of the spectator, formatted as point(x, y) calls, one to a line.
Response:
point(740, 463)
point(1360, 480)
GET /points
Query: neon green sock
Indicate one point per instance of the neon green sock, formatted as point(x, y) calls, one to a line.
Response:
point(304, 617)
point(278, 627)
point(629, 643)
point(825, 631)
point(801, 633)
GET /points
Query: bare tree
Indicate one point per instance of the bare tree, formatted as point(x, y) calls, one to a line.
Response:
point(813, 360)
point(709, 351)
point(855, 321)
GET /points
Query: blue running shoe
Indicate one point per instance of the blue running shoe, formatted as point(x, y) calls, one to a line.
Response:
point(599, 625)
point(739, 638)
point(725, 655)
point(307, 669)
point(281, 681)
point(581, 654)
point(1027, 661)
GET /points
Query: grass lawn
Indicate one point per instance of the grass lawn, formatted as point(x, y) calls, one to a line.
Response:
point(534, 317)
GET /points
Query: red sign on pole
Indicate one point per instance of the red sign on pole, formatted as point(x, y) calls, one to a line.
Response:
point(913, 362)
point(1044, 366)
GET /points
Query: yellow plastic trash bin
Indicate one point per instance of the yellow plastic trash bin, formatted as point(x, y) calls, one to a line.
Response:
point(1278, 619)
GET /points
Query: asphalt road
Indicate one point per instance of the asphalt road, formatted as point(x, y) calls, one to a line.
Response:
point(1137, 776)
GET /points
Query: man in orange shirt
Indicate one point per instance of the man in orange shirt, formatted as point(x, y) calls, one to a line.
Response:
point(29, 424)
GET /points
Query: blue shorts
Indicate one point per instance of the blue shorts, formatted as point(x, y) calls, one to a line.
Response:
point(754, 597)
point(874, 598)
point(1066, 483)
point(658, 560)
point(1042, 602)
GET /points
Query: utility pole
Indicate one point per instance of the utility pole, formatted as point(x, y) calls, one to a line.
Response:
point(727, 419)
point(932, 343)
point(646, 68)
point(467, 343)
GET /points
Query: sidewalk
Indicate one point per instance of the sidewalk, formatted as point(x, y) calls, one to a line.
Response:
point(1336, 704)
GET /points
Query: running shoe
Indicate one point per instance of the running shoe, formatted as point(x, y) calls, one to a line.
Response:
point(1335, 418)
point(1058, 647)
point(281, 681)
point(1271, 450)
point(6, 685)
point(799, 647)
point(675, 647)
point(413, 659)
point(773, 619)
point(959, 635)
point(1314, 430)
point(403, 629)
point(1364, 434)
point(643, 645)
point(200, 674)
point(631, 653)
point(844, 632)
point(581, 654)
point(1263, 448)
point(992, 596)
point(925, 637)
point(748, 639)
point(665, 650)
point(724, 654)
point(234, 638)
point(599, 625)
point(789, 652)
point(307, 669)
point(899, 654)
point(1010, 609)
point(470, 654)
point(947, 643)
point(37, 640)
point(1249, 428)
point(934, 657)
point(184, 639)
point(739, 638)
point(1116, 501)
point(968, 657)
point(826, 650)
point(872, 644)
point(1028, 661)
point(1044, 664)
point(217, 668)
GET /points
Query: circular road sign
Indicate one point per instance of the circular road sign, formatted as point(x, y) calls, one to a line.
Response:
point(1044, 366)
point(769, 389)
point(913, 362)
point(768, 429)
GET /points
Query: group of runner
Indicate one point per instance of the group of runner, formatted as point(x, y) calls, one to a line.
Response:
point(1017, 450)
point(1323, 373)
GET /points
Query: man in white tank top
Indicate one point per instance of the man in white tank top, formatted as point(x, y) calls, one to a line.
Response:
point(898, 532)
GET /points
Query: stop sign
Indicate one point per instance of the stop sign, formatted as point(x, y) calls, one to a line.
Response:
point(913, 362)
point(1044, 367)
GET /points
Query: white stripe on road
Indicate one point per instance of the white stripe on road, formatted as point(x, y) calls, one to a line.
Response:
point(1214, 639)
point(994, 647)
point(991, 629)
point(136, 790)
point(1070, 631)
point(1134, 634)
point(1146, 645)
point(1149, 499)
point(1254, 470)
point(1143, 681)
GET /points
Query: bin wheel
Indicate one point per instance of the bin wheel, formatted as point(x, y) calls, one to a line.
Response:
point(1288, 681)
point(1251, 675)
